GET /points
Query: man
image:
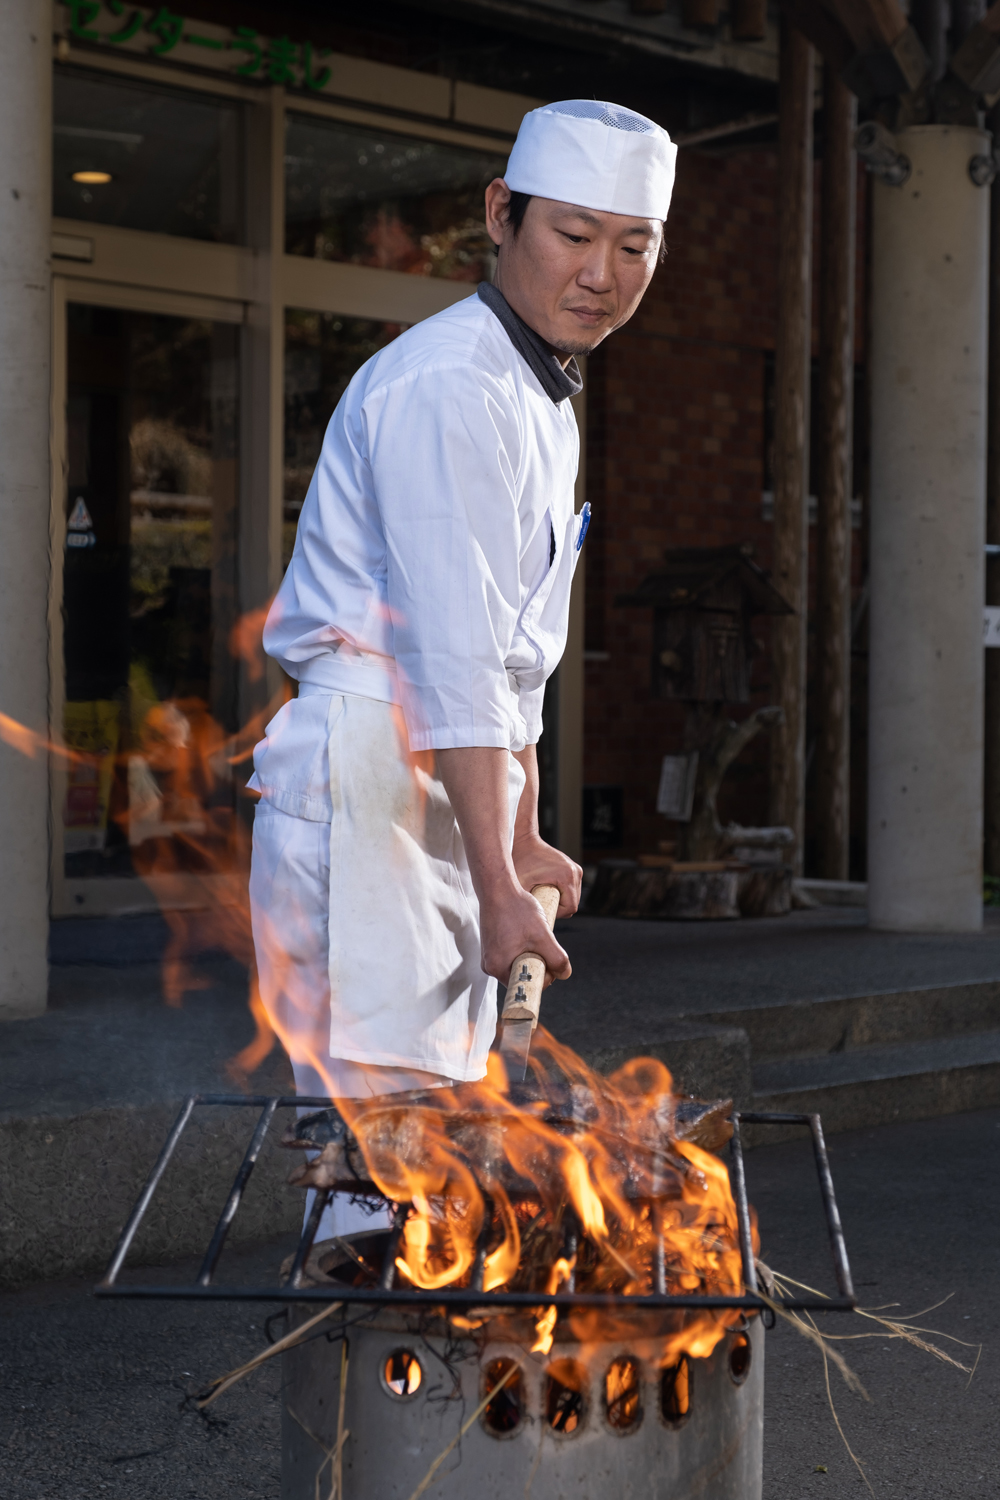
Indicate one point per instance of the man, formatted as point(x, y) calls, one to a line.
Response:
point(426, 603)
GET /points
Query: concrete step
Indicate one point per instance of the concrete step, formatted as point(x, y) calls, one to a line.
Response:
point(848, 1023)
point(875, 1085)
point(834, 892)
point(68, 1184)
point(88, 1092)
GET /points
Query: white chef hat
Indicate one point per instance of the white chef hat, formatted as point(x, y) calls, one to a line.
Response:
point(596, 155)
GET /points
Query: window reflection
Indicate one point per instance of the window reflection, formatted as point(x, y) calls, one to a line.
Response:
point(145, 157)
point(149, 591)
point(322, 352)
point(374, 199)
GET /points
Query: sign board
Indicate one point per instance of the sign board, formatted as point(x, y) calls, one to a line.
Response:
point(157, 33)
point(675, 797)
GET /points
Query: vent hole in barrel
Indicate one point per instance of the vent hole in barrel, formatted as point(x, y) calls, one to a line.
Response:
point(623, 1394)
point(504, 1413)
point(564, 1404)
point(675, 1390)
point(740, 1355)
point(402, 1374)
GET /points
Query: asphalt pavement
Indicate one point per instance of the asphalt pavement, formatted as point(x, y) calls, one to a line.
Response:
point(96, 1395)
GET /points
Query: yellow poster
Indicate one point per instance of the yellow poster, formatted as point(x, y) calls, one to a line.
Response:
point(91, 730)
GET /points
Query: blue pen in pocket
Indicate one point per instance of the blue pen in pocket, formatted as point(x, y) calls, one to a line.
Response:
point(584, 524)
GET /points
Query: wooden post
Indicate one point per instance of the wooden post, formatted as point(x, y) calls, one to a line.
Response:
point(836, 389)
point(791, 427)
point(930, 20)
point(991, 850)
point(700, 15)
point(748, 19)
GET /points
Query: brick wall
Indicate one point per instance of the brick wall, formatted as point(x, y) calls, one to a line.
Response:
point(676, 438)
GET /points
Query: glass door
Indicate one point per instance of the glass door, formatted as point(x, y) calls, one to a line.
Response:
point(149, 601)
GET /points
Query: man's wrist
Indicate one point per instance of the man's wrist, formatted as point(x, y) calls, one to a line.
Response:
point(498, 887)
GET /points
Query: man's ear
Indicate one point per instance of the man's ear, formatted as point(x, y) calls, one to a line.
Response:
point(497, 205)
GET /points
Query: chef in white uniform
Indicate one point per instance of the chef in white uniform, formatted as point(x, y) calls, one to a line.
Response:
point(426, 603)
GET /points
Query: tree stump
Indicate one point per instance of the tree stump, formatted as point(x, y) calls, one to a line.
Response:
point(624, 889)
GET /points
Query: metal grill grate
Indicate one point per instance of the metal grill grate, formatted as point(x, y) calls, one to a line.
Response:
point(388, 1295)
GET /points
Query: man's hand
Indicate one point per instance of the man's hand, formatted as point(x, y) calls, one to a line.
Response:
point(511, 923)
point(510, 919)
point(537, 863)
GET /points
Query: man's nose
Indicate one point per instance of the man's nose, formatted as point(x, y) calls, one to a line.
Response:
point(597, 271)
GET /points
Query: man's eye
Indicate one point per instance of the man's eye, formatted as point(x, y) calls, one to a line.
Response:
point(574, 239)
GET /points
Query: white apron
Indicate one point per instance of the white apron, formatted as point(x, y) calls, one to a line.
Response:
point(369, 917)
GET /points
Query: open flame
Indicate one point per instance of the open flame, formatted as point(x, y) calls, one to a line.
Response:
point(560, 1274)
point(571, 1182)
point(578, 1183)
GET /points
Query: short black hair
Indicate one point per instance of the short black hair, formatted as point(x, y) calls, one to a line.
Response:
point(518, 207)
point(516, 210)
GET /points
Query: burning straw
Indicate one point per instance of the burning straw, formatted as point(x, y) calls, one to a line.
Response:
point(573, 1182)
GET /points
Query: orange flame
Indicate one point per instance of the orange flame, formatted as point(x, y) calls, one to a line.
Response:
point(594, 1158)
point(545, 1326)
point(598, 1192)
point(30, 743)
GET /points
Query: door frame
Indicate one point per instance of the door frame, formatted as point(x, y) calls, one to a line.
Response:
point(113, 895)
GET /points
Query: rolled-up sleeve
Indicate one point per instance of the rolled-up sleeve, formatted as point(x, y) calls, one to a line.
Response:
point(445, 452)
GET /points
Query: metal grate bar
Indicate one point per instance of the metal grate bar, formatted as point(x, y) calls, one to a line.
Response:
point(478, 1273)
point(388, 1278)
point(247, 1165)
point(146, 1196)
point(309, 1231)
point(742, 1206)
point(466, 1297)
point(838, 1245)
point(388, 1295)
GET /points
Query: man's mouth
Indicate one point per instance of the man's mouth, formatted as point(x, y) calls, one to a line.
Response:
point(589, 316)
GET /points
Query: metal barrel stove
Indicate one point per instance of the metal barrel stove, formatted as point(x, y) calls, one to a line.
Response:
point(394, 1392)
point(592, 1421)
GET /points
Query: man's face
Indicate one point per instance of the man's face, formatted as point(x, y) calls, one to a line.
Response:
point(573, 274)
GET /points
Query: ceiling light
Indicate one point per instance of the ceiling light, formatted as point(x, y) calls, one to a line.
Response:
point(92, 178)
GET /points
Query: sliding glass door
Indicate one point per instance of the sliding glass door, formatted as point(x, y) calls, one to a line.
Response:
point(149, 597)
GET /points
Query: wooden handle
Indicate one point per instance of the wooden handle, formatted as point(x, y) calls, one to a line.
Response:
point(527, 973)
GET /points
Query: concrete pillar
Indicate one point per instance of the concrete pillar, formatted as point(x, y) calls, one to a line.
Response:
point(928, 481)
point(25, 301)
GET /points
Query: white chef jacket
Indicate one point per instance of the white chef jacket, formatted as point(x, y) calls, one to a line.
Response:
point(425, 605)
point(437, 543)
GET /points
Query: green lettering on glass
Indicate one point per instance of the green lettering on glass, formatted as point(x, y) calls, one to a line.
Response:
point(81, 13)
point(309, 78)
point(246, 41)
point(279, 58)
point(132, 25)
point(168, 27)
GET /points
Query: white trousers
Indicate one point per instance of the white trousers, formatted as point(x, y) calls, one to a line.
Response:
point(366, 927)
point(289, 905)
point(289, 894)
